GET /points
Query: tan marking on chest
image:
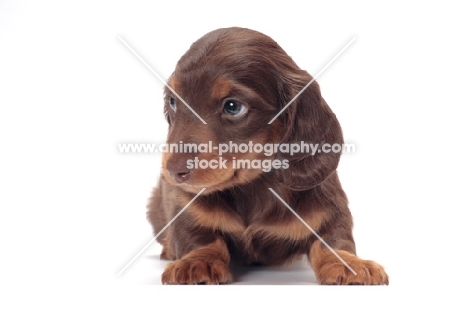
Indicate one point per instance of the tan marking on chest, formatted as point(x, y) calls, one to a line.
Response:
point(293, 228)
point(217, 218)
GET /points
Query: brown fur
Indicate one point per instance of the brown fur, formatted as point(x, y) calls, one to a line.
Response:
point(237, 218)
point(221, 88)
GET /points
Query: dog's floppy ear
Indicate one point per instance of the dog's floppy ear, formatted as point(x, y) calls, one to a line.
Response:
point(308, 120)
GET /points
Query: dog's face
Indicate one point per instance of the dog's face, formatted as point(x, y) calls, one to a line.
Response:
point(237, 80)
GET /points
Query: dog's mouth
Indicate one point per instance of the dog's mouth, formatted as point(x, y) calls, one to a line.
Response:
point(195, 180)
point(212, 173)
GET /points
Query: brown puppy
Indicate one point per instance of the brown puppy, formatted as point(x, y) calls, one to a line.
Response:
point(237, 80)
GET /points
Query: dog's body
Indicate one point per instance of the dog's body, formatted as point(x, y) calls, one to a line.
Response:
point(237, 80)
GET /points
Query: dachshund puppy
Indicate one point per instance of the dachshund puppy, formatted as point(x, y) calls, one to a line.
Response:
point(237, 80)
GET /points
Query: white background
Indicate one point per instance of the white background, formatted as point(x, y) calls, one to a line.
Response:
point(72, 209)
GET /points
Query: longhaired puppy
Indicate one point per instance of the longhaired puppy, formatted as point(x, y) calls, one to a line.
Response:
point(236, 81)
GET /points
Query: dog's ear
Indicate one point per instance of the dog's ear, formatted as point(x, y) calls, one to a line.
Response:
point(308, 120)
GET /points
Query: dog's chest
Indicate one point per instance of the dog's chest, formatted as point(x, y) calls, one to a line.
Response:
point(267, 243)
point(250, 220)
point(255, 226)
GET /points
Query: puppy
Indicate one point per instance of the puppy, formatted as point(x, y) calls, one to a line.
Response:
point(236, 81)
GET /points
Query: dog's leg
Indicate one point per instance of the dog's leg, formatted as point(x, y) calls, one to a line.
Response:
point(205, 265)
point(329, 270)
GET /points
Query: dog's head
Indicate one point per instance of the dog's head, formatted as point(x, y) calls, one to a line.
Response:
point(237, 80)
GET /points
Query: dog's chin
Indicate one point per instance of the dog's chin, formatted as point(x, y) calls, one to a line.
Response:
point(213, 181)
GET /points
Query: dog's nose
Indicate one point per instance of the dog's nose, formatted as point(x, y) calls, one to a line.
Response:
point(177, 167)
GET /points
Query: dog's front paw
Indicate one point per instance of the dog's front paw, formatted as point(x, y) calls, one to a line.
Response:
point(330, 270)
point(197, 271)
point(367, 272)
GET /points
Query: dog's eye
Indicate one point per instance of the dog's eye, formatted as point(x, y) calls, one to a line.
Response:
point(172, 103)
point(233, 108)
